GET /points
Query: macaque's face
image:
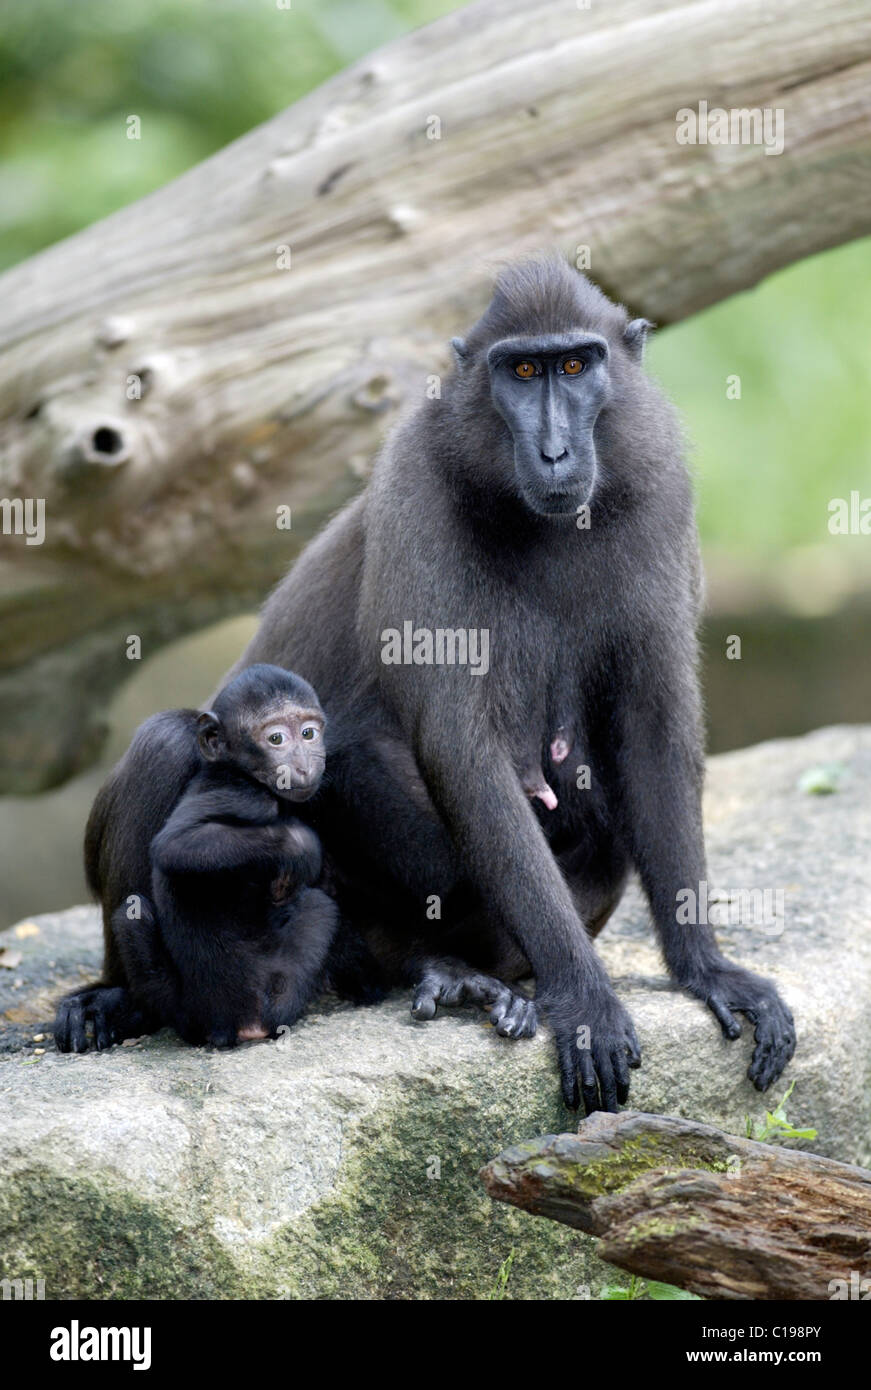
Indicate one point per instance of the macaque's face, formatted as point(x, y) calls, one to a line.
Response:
point(549, 390)
point(281, 746)
point(290, 751)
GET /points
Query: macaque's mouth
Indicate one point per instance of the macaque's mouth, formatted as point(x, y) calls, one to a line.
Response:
point(559, 503)
point(291, 793)
point(296, 793)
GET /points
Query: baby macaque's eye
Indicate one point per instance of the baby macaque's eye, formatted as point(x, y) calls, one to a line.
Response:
point(276, 738)
point(309, 732)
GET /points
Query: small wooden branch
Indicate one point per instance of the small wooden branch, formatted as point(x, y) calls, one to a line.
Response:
point(687, 1204)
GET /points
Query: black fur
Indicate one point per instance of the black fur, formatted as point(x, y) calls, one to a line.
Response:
point(594, 628)
point(207, 877)
point(435, 850)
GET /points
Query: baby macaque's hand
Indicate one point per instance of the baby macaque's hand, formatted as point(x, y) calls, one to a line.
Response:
point(299, 859)
point(280, 888)
point(297, 841)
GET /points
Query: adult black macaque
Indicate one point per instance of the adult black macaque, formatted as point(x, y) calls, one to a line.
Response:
point(207, 876)
point(474, 519)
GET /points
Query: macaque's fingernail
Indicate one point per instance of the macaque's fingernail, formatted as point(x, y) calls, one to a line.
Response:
point(559, 750)
point(547, 796)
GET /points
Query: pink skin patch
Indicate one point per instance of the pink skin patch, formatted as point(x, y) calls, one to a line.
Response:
point(251, 1033)
point(544, 793)
point(561, 746)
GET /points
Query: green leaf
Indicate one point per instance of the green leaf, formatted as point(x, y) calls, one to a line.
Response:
point(662, 1293)
point(822, 780)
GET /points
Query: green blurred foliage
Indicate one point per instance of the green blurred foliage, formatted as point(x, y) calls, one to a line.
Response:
point(768, 464)
point(198, 73)
point(201, 72)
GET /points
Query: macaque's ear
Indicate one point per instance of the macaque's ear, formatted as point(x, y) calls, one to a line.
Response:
point(209, 735)
point(461, 352)
point(635, 336)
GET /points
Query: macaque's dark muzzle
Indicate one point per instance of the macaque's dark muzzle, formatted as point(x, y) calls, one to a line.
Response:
point(558, 479)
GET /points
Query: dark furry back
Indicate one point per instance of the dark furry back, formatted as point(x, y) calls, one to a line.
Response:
point(156, 768)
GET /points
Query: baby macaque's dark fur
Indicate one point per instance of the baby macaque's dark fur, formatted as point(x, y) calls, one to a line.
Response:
point(208, 877)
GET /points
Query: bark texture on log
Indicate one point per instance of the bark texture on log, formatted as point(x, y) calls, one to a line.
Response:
point(687, 1204)
point(166, 383)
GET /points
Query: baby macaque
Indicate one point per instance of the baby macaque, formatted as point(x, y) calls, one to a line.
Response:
point(233, 938)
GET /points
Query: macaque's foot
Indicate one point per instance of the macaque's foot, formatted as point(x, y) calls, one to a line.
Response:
point(596, 1046)
point(729, 989)
point(451, 982)
point(108, 1010)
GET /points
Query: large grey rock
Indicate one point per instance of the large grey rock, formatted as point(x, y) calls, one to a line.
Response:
point(342, 1160)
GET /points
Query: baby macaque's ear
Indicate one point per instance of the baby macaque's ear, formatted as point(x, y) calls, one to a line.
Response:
point(635, 336)
point(209, 735)
point(461, 352)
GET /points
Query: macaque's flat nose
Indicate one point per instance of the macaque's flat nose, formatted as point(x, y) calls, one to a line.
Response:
point(556, 455)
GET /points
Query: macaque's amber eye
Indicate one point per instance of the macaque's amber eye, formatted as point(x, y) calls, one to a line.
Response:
point(276, 738)
point(309, 732)
point(524, 370)
point(573, 366)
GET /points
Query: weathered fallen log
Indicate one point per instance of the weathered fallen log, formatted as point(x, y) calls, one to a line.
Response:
point(689, 1205)
point(239, 341)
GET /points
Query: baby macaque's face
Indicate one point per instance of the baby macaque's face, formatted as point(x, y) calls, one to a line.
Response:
point(283, 747)
point(280, 744)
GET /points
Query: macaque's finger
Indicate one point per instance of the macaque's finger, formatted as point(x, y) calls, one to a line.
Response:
point(775, 1045)
point(71, 1036)
point(621, 1073)
point(104, 1033)
point(567, 1054)
point(512, 1020)
point(426, 998)
point(589, 1081)
point(724, 1016)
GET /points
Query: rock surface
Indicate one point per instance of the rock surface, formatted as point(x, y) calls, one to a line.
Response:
point(341, 1161)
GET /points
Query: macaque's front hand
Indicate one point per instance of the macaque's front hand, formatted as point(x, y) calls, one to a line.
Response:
point(729, 989)
point(596, 1046)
